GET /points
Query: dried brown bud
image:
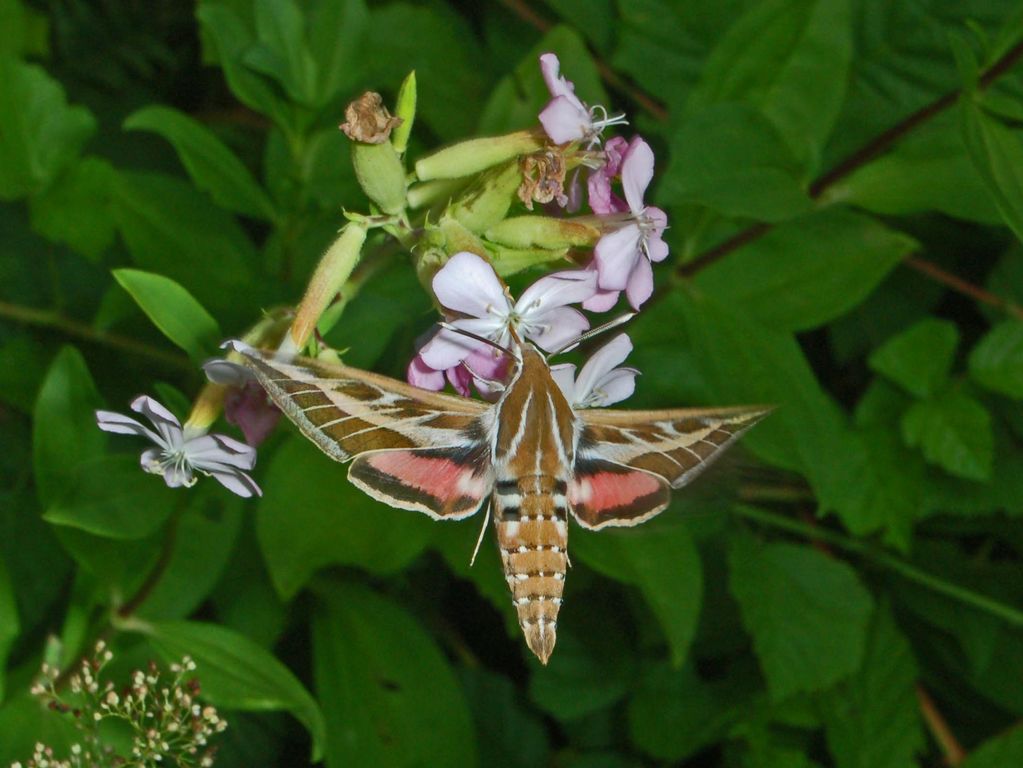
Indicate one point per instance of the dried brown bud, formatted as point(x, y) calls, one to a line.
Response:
point(367, 120)
point(543, 178)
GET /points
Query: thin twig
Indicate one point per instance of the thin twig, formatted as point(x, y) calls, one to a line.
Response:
point(873, 148)
point(962, 286)
point(938, 726)
point(47, 319)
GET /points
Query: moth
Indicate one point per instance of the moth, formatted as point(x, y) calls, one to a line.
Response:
point(535, 459)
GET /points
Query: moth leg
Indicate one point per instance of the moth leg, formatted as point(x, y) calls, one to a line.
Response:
point(483, 530)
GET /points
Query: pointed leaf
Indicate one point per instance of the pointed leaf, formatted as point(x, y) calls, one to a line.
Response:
point(390, 696)
point(212, 166)
point(235, 673)
point(997, 153)
point(954, 432)
point(919, 359)
point(173, 310)
point(77, 208)
point(996, 363)
point(808, 614)
point(999, 752)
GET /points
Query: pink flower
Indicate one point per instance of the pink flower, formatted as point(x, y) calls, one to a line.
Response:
point(623, 256)
point(566, 118)
point(181, 451)
point(602, 200)
point(599, 383)
point(469, 286)
point(249, 409)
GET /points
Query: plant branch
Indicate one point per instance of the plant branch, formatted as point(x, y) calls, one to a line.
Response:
point(910, 572)
point(962, 286)
point(872, 149)
point(133, 603)
point(938, 726)
point(47, 319)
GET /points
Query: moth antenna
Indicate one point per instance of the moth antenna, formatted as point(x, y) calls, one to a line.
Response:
point(483, 339)
point(483, 529)
point(594, 332)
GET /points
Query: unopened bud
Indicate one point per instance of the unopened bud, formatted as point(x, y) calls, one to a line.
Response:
point(475, 155)
point(405, 110)
point(508, 261)
point(487, 201)
point(543, 232)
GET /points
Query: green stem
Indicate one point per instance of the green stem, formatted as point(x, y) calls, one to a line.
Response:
point(48, 319)
point(908, 571)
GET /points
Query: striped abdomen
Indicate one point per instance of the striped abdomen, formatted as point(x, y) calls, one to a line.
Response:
point(530, 514)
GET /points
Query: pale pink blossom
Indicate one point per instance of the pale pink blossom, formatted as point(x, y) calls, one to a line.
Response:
point(600, 383)
point(469, 286)
point(566, 118)
point(602, 200)
point(623, 256)
point(181, 451)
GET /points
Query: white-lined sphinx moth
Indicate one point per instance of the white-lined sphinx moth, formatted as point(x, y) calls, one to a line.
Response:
point(535, 458)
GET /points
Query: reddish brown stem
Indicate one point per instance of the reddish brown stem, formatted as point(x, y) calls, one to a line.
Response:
point(975, 292)
point(938, 726)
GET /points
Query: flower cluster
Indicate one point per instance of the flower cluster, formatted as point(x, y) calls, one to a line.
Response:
point(182, 451)
point(483, 314)
point(168, 723)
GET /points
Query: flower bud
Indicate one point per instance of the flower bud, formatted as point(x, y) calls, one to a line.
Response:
point(332, 271)
point(508, 261)
point(405, 111)
point(381, 175)
point(487, 201)
point(475, 155)
point(543, 232)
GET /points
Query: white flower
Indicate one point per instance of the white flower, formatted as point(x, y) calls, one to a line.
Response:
point(468, 285)
point(180, 451)
point(599, 383)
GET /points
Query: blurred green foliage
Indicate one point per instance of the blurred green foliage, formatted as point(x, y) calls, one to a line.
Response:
point(844, 180)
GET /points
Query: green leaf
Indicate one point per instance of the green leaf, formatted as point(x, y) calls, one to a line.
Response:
point(808, 614)
point(23, 362)
point(999, 752)
point(591, 667)
point(10, 625)
point(311, 516)
point(64, 431)
point(728, 157)
point(236, 673)
point(742, 361)
point(281, 51)
point(40, 134)
point(509, 735)
point(808, 271)
point(212, 166)
point(919, 358)
point(954, 432)
point(997, 153)
point(663, 564)
point(873, 718)
point(111, 496)
point(390, 696)
point(336, 34)
point(26, 721)
point(445, 55)
point(996, 363)
point(790, 59)
point(25, 30)
point(76, 209)
point(173, 230)
point(173, 310)
point(878, 485)
point(231, 38)
point(673, 713)
point(930, 170)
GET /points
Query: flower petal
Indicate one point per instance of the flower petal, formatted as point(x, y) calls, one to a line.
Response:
point(110, 421)
point(656, 248)
point(166, 423)
point(249, 409)
point(560, 327)
point(614, 151)
point(235, 481)
point(615, 387)
point(565, 119)
point(419, 374)
point(208, 451)
point(637, 171)
point(641, 283)
point(555, 290)
point(460, 379)
point(601, 301)
point(448, 348)
point(469, 285)
point(550, 68)
point(564, 377)
point(601, 363)
point(221, 371)
point(615, 255)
